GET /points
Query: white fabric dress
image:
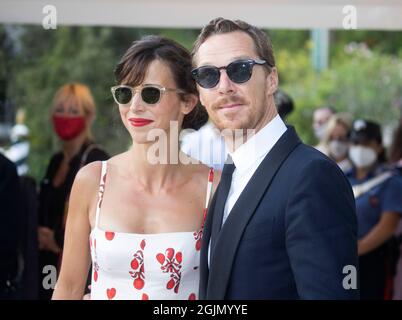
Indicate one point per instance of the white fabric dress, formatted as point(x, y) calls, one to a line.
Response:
point(129, 266)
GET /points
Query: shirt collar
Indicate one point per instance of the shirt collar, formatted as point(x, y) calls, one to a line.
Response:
point(258, 145)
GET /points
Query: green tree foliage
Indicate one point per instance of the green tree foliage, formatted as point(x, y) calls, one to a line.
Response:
point(365, 83)
point(47, 60)
point(365, 80)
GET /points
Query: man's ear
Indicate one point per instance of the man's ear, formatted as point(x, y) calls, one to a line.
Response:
point(272, 81)
point(189, 103)
point(201, 96)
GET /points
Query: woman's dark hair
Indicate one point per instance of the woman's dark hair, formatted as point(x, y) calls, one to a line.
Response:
point(396, 147)
point(382, 157)
point(365, 131)
point(133, 65)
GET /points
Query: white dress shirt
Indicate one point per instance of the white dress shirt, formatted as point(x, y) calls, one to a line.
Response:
point(249, 156)
point(247, 159)
point(206, 145)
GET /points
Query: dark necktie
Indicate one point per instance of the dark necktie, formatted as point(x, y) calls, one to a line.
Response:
point(223, 191)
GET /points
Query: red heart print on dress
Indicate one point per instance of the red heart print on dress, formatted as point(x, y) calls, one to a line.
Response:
point(111, 293)
point(134, 264)
point(160, 257)
point(198, 239)
point(139, 283)
point(171, 263)
point(137, 265)
point(170, 284)
point(109, 235)
point(169, 253)
point(198, 245)
point(179, 257)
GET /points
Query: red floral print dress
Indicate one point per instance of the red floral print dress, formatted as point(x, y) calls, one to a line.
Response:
point(128, 266)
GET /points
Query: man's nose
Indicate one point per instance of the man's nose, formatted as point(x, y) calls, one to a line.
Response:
point(225, 85)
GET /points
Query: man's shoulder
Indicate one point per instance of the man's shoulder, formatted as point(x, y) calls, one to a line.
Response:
point(300, 152)
point(309, 166)
point(306, 164)
point(4, 161)
point(7, 167)
point(305, 155)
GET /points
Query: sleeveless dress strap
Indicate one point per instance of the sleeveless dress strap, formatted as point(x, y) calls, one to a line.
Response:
point(101, 190)
point(209, 193)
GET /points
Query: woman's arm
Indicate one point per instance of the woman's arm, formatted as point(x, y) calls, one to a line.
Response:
point(76, 253)
point(217, 179)
point(381, 232)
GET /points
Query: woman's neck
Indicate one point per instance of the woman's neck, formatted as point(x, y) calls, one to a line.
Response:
point(71, 147)
point(341, 159)
point(153, 165)
point(362, 173)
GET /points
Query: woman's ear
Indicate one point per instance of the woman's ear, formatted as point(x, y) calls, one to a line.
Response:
point(189, 103)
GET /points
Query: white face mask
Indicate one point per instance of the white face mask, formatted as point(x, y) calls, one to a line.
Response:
point(362, 157)
point(319, 132)
point(338, 149)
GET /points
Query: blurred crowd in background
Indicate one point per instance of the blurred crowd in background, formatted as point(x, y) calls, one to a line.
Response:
point(34, 201)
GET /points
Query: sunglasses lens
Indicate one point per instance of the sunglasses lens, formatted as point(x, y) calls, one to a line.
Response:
point(123, 95)
point(150, 95)
point(239, 71)
point(207, 77)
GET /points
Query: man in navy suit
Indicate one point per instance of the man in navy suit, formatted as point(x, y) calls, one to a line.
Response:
point(10, 217)
point(282, 222)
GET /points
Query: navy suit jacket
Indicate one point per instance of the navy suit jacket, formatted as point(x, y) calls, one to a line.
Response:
point(10, 217)
point(289, 235)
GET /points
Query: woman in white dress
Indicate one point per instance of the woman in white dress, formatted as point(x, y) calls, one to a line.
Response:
point(139, 222)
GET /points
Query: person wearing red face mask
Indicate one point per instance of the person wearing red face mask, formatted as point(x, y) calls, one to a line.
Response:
point(72, 114)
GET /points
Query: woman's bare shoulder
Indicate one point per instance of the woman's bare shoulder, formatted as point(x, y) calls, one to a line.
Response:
point(201, 173)
point(94, 168)
point(119, 160)
point(89, 174)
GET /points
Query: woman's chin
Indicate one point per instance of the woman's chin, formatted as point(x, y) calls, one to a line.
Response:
point(141, 138)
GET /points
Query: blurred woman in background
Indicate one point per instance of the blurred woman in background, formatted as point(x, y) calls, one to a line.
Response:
point(72, 115)
point(395, 160)
point(378, 197)
point(336, 139)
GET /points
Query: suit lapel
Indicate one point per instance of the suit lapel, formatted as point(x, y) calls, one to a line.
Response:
point(223, 254)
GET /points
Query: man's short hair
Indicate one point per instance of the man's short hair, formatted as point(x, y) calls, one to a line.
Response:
point(284, 103)
point(262, 42)
point(329, 108)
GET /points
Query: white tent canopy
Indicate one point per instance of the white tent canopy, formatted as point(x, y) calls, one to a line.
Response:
point(276, 14)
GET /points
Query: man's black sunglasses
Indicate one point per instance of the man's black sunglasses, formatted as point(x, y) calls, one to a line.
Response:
point(238, 71)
